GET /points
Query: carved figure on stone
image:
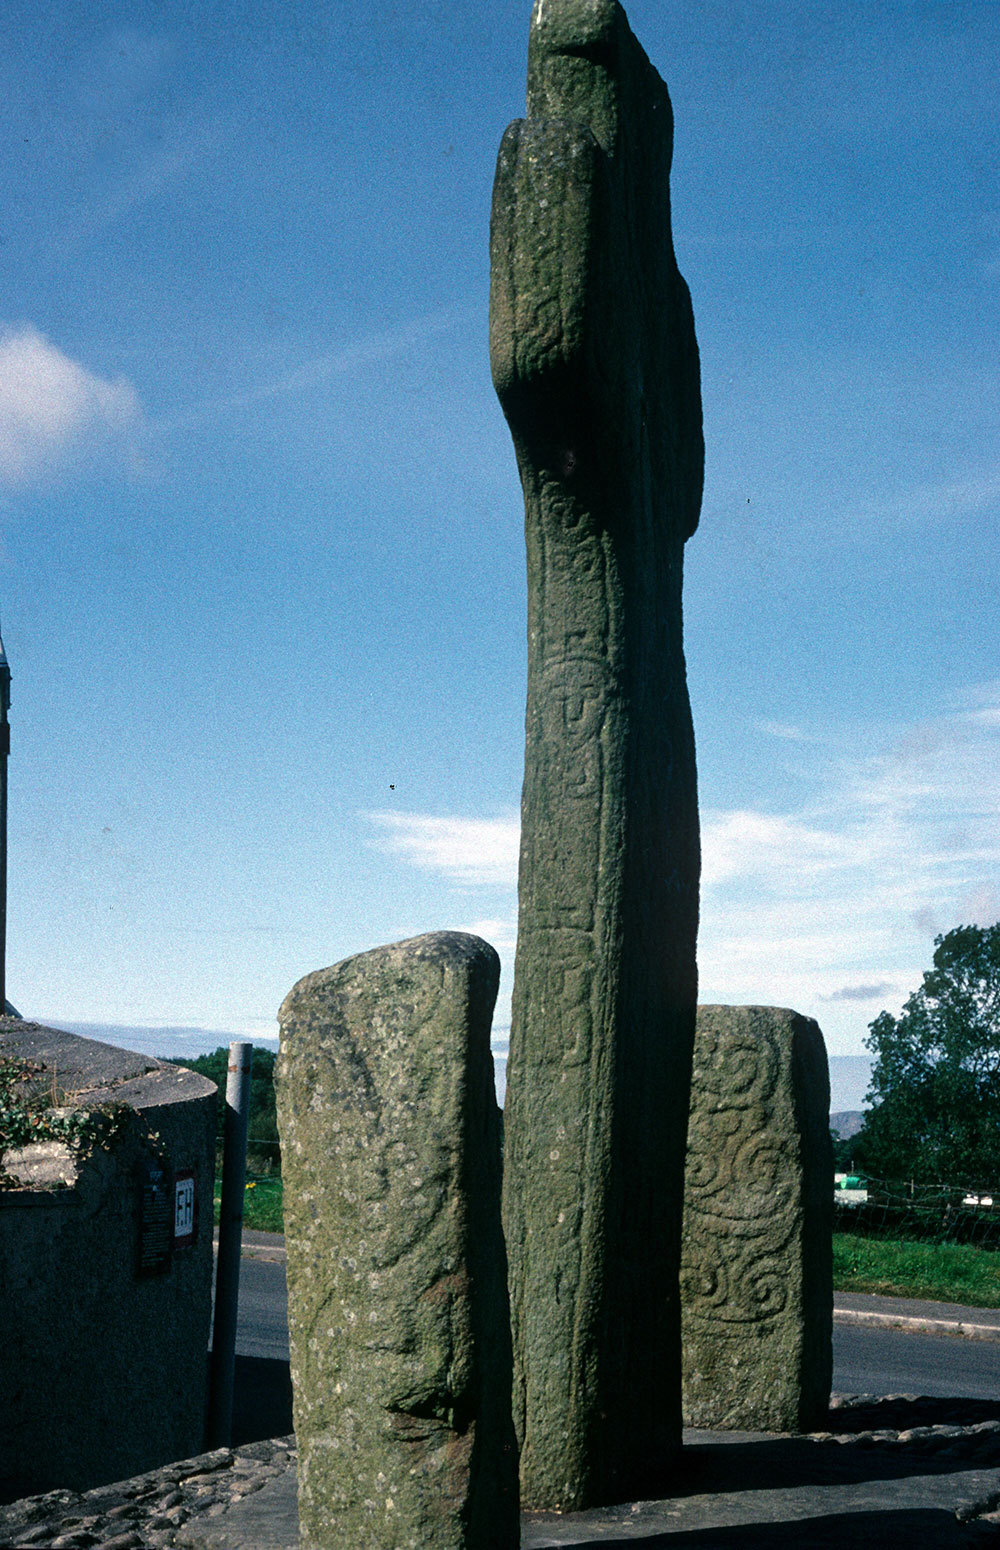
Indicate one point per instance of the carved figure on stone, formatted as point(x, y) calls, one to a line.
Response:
point(757, 1276)
point(398, 1316)
point(595, 363)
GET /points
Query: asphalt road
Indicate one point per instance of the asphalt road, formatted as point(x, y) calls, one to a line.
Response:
point(892, 1361)
point(262, 1325)
point(865, 1361)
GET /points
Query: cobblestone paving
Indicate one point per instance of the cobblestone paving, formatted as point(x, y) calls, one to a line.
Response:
point(166, 1507)
point(151, 1509)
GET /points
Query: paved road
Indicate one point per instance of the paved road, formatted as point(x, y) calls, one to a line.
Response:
point(262, 1329)
point(892, 1361)
point(866, 1361)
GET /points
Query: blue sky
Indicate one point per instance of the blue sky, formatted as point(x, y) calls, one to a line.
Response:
point(262, 574)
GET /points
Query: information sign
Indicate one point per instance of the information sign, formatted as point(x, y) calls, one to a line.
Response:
point(155, 1198)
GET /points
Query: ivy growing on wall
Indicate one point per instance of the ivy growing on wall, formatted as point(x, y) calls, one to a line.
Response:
point(34, 1109)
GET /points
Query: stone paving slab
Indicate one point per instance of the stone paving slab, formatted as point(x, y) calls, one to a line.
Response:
point(755, 1490)
point(268, 1520)
point(902, 1471)
point(740, 1490)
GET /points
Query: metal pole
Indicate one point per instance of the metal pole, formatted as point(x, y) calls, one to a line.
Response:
point(227, 1272)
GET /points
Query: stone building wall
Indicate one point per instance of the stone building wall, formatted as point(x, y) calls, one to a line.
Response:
point(103, 1367)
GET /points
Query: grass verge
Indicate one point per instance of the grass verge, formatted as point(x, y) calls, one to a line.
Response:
point(262, 1202)
point(939, 1272)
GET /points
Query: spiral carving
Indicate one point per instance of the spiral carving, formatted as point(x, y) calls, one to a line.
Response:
point(746, 1310)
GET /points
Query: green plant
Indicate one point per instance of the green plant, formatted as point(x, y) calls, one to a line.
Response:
point(33, 1109)
point(262, 1204)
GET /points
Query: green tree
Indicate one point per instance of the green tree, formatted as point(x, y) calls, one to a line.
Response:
point(263, 1151)
point(935, 1085)
point(844, 1151)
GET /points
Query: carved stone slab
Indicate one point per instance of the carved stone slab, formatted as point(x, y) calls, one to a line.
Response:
point(595, 363)
point(757, 1276)
point(398, 1318)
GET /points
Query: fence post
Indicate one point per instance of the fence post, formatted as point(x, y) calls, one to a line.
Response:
point(227, 1272)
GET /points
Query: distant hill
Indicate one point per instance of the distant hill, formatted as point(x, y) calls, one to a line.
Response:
point(166, 1043)
point(847, 1123)
point(849, 1074)
point(849, 1078)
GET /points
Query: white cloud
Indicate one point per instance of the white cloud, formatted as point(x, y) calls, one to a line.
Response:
point(52, 408)
point(747, 844)
point(500, 932)
point(811, 908)
point(477, 851)
point(895, 846)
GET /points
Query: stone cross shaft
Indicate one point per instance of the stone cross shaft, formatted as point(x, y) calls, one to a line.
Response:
point(595, 363)
point(757, 1258)
point(397, 1295)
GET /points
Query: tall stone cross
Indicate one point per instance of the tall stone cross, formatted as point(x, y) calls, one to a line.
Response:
point(595, 362)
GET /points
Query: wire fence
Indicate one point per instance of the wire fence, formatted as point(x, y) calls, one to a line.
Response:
point(263, 1157)
point(863, 1205)
point(939, 1213)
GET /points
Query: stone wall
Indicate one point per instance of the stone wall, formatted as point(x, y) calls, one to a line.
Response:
point(103, 1369)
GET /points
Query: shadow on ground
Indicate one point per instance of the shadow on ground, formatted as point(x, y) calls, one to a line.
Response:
point(749, 1490)
point(921, 1530)
point(262, 1399)
point(900, 1412)
point(714, 1465)
point(786, 1463)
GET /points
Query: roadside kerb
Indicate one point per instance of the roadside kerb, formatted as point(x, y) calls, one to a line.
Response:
point(916, 1325)
point(270, 1246)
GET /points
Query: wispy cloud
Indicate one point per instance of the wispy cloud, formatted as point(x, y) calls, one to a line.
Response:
point(499, 930)
point(52, 408)
point(936, 502)
point(784, 730)
point(896, 844)
point(154, 175)
point(876, 992)
point(747, 844)
point(476, 851)
point(826, 908)
point(356, 355)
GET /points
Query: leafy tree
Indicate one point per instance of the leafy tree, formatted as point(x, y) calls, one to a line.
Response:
point(935, 1085)
point(844, 1151)
point(263, 1152)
